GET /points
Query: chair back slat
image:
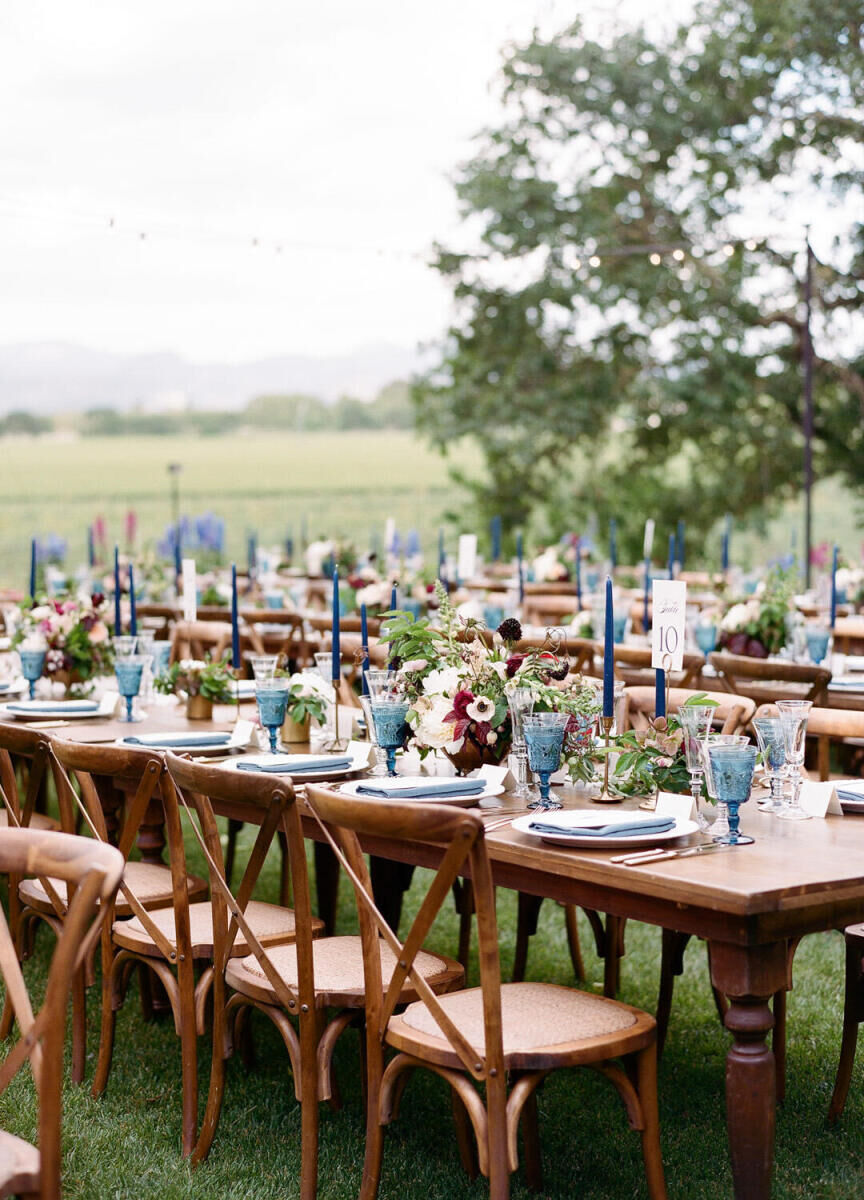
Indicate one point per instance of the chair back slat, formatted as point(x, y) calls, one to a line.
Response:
point(754, 676)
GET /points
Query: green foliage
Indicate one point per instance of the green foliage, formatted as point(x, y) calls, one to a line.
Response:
point(18, 421)
point(212, 680)
point(654, 757)
point(680, 381)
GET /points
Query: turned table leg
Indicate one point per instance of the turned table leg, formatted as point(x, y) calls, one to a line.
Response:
point(749, 977)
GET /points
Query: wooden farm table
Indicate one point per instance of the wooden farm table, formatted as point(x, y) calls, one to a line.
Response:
point(797, 878)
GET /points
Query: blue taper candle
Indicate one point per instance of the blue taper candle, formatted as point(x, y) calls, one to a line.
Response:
point(394, 598)
point(364, 643)
point(660, 693)
point(726, 534)
point(671, 555)
point(680, 555)
point(118, 628)
point(32, 568)
point(251, 555)
point(519, 566)
point(646, 620)
point(91, 549)
point(613, 543)
point(834, 588)
point(235, 621)
point(442, 559)
point(496, 538)
point(178, 566)
point(609, 654)
point(578, 575)
point(133, 612)
point(336, 657)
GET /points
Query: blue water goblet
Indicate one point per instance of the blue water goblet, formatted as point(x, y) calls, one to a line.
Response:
point(129, 671)
point(706, 637)
point(391, 728)
point(32, 665)
point(818, 639)
point(272, 696)
point(732, 769)
point(544, 737)
point(620, 617)
point(772, 745)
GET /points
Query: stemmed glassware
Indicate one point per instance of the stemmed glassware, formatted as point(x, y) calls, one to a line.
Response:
point(818, 640)
point(544, 737)
point(793, 715)
point(263, 665)
point(772, 744)
point(324, 666)
point(272, 696)
point(380, 755)
point(521, 704)
point(145, 644)
point(389, 707)
point(732, 769)
point(720, 826)
point(124, 644)
point(32, 665)
point(706, 637)
point(129, 670)
point(695, 720)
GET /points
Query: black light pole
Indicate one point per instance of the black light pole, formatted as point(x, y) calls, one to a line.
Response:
point(807, 423)
point(174, 470)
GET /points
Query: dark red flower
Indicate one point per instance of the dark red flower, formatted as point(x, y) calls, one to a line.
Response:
point(460, 705)
point(97, 599)
point(514, 662)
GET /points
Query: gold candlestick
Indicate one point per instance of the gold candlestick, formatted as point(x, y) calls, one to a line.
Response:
point(606, 724)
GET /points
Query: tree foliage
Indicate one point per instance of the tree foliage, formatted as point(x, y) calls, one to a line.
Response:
point(626, 293)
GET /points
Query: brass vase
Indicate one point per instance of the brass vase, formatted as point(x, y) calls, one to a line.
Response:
point(199, 708)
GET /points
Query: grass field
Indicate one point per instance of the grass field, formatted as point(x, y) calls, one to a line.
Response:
point(126, 1145)
point(342, 484)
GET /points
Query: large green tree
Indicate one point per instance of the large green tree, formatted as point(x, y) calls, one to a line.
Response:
point(633, 287)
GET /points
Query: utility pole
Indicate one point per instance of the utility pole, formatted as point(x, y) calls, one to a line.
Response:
point(807, 422)
point(174, 470)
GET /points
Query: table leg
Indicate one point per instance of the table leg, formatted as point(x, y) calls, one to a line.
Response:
point(151, 833)
point(749, 976)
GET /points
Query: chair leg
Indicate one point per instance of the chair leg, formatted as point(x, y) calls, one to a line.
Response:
point(79, 1025)
point(531, 1142)
point(234, 828)
point(526, 926)
point(671, 964)
point(216, 1090)
point(464, 1136)
point(373, 1059)
point(188, 1056)
point(646, 1074)
point(499, 1168)
point(853, 1014)
point(573, 943)
point(309, 1113)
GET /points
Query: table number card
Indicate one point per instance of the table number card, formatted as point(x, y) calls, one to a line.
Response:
point(190, 590)
point(820, 799)
point(667, 633)
point(467, 560)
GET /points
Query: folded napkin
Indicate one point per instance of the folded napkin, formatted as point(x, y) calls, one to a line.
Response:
point(56, 706)
point(179, 743)
point(631, 828)
point(282, 768)
point(449, 787)
point(848, 794)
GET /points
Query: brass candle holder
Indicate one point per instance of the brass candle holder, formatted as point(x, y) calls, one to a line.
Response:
point(335, 744)
point(606, 724)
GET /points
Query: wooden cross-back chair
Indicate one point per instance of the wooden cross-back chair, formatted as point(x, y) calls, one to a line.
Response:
point(766, 680)
point(300, 980)
point(175, 942)
point(633, 665)
point(90, 873)
point(486, 1035)
point(112, 792)
point(732, 715)
point(197, 639)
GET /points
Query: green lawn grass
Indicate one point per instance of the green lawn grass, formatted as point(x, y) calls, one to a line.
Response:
point(127, 1143)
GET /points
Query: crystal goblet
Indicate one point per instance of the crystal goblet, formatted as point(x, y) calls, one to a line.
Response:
point(129, 670)
point(794, 714)
point(544, 737)
point(32, 665)
point(772, 744)
point(124, 644)
point(732, 768)
point(695, 721)
point(272, 696)
point(521, 703)
point(263, 665)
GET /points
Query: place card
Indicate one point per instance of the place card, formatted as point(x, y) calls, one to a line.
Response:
point(819, 799)
point(669, 804)
point(190, 590)
point(496, 776)
point(466, 562)
point(667, 632)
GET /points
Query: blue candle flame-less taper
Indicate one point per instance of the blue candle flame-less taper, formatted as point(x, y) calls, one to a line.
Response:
point(609, 654)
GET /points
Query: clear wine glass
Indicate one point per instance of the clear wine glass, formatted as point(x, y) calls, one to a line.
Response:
point(695, 721)
point(521, 704)
point(794, 714)
point(263, 665)
point(772, 744)
point(129, 670)
point(544, 737)
point(732, 768)
point(272, 696)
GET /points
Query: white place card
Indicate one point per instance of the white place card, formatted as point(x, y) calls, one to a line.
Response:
point(496, 776)
point(669, 804)
point(819, 799)
point(466, 563)
point(389, 535)
point(648, 540)
point(669, 623)
point(190, 590)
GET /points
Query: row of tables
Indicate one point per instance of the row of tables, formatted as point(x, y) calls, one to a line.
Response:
point(797, 878)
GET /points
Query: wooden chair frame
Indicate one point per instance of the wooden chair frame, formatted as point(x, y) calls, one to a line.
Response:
point(754, 677)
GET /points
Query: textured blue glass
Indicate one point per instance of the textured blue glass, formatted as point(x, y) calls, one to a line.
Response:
point(391, 728)
point(706, 637)
point(272, 703)
point(32, 662)
point(544, 747)
point(128, 676)
point(817, 643)
point(732, 768)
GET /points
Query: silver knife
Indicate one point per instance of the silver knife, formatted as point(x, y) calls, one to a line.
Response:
point(650, 859)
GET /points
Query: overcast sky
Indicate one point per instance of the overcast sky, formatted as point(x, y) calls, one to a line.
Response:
point(328, 127)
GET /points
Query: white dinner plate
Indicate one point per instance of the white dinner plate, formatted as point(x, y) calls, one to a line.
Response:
point(591, 817)
point(66, 710)
point(491, 789)
point(192, 742)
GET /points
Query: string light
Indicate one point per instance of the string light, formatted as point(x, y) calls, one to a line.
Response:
point(655, 260)
point(678, 255)
point(594, 261)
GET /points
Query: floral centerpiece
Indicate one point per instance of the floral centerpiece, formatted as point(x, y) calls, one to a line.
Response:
point(202, 682)
point(458, 686)
point(654, 757)
point(758, 627)
point(308, 697)
point(74, 633)
point(850, 585)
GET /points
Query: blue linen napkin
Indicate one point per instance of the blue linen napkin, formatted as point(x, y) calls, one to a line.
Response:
point(180, 743)
point(652, 825)
point(449, 787)
point(71, 706)
point(314, 764)
point(844, 794)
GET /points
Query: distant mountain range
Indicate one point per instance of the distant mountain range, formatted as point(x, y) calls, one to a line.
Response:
point(52, 377)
